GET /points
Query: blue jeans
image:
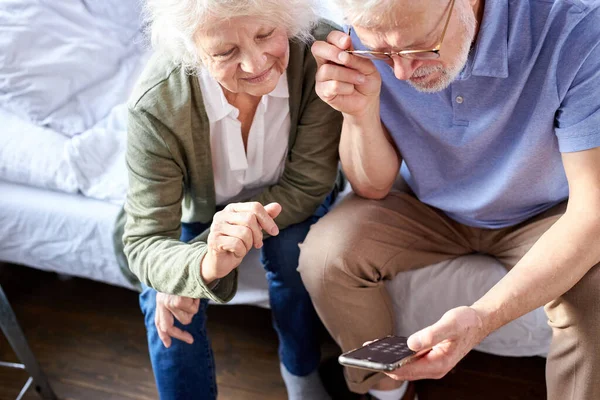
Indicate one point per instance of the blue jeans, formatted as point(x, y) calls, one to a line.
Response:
point(186, 371)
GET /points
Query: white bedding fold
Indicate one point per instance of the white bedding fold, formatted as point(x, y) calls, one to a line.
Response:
point(97, 158)
point(33, 155)
point(65, 64)
point(91, 163)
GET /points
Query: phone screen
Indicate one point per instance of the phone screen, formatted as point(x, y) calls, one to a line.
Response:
point(388, 350)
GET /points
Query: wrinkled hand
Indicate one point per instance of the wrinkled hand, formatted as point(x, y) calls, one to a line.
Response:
point(233, 232)
point(169, 307)
point(348, 83)
point(450, 339)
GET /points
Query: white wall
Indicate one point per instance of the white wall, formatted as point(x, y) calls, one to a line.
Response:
point(330, 11)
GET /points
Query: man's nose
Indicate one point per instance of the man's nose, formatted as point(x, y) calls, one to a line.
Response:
point(404, 67)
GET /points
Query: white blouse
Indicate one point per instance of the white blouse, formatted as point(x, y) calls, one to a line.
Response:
point(239, 176)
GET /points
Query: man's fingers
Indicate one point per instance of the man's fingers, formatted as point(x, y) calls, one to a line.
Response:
point(331, 89)
point(339, 39)
point(327, 52)
point(332, 72)
point(426, 338)
point(262, 216)
point(360, 64)
point(433, 365)
point(182, 335)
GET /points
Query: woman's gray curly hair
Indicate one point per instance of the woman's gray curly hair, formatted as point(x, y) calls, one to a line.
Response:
point(173, 24)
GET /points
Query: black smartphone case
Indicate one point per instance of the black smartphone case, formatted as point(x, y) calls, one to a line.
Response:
point(386, 354)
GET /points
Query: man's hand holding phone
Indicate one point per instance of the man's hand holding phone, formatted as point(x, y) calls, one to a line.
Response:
point(450, 339)
point(385, 355)
point(433, 351)
point(348, 83)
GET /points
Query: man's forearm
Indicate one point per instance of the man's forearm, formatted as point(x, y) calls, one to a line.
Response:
point(559, 259)
point(368, 157)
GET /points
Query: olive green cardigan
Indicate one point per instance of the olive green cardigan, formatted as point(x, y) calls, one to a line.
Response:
point(171, 177)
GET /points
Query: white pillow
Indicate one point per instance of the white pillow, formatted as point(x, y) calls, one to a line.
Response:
point(33, 155)
point(97, 158)
point(64, 64)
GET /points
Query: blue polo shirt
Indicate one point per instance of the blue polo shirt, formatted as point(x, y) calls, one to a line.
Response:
point(487, 150)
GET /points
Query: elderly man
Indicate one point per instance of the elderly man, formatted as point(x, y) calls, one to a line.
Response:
point(490, 113)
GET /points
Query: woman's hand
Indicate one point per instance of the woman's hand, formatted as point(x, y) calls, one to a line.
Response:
point(169, 307)
point(348, 83)
point(234, 231)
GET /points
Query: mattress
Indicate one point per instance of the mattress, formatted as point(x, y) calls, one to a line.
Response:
point(61, 232)
point(72, 234)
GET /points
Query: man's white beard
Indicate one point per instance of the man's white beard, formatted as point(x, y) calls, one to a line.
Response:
point(448, 75)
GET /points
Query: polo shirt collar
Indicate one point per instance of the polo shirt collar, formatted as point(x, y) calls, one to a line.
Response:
point(491, 49)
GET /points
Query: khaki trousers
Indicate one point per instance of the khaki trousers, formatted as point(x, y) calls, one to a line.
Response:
point(350, 252)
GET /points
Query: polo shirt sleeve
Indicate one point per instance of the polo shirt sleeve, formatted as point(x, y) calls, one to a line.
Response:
point(578, 77)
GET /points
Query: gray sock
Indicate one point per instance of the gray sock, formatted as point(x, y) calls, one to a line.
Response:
point(307, 387)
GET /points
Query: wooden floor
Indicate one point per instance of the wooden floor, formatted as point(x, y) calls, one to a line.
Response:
point(90, 340)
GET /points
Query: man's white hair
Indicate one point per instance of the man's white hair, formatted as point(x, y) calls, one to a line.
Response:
point(366, 13)
point(173, 24)
point(369, 13)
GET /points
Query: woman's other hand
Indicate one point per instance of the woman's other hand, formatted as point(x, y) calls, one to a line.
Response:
point(234, 231)
point(169, 307)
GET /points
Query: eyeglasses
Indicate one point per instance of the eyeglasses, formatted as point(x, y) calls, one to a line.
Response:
point(415, 54)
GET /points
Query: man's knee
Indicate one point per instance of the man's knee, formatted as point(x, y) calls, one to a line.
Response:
point(330, 244)
point(579, 308)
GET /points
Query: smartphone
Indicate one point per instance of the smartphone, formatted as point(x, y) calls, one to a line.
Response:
point(385, 354)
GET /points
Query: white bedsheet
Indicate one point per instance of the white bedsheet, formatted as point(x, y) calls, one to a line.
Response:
point(91, 163)
point(60, 232)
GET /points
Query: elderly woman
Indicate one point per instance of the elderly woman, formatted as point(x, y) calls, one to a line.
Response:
point(226, 132)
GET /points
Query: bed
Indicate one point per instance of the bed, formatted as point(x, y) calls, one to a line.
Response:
point(63, 176)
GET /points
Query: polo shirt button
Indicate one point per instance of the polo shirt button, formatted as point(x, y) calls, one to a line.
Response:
point(459, 99)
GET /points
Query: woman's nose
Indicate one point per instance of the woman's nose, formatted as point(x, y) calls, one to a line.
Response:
point(254, 62)
point(403, 67)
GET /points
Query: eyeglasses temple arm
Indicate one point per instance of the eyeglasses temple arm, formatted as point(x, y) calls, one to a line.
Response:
point(446, 25)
